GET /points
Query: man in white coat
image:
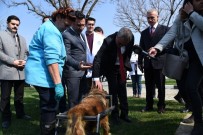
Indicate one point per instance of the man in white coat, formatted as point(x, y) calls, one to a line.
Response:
point(93, 42)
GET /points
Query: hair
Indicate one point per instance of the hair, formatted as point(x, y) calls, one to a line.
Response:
point(12, 17)
point(90, 19)
point(63, 13)
point(183, 14)
point(153, 10)
point(44, 17)
point(79, 15)
point(98, 29)
point(125, 33)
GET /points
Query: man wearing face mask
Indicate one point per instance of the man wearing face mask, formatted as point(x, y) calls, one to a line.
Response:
point(13, 55)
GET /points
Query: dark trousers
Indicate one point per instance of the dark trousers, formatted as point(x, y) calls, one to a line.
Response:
point(6, 87)
point(154, 79)
point(62, 103)
point(137, 84)
point(118, 91)
point(183, 90)
point(193, 82)
point(47, 104)
point(48, 110)
point(89, 84)
point(76, 88)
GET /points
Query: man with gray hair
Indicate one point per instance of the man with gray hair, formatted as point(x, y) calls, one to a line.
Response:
point(153, 68)
point(113, 60)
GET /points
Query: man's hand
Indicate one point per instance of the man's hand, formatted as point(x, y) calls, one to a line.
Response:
point(59, 91)
point(19, 64)
point(85, 66)
point(152, 52)
point(98, 84)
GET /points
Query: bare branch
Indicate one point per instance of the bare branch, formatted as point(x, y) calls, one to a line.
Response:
point(53, 3)
point(133, 12)
point(84, 5)
point(91, 8)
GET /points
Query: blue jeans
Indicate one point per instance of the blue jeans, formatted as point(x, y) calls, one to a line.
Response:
point(137, 84)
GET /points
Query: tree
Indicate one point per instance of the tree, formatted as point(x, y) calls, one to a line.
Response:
point(40, 7)
point(132, 13)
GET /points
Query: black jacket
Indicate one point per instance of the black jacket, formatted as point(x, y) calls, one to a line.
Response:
point(105, 59)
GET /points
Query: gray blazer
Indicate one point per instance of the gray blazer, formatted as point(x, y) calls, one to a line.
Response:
point(195, 32)
point(9, 51)
point(76, 52)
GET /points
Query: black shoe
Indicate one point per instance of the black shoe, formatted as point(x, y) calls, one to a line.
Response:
point(5, 124)
point(161, 110)
point(147, 109)
point(179, 99)
point(126, 119)
point(198, 129)
point(25, 117)
point(189, 120)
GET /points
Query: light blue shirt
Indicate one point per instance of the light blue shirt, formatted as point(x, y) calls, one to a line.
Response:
point(46, 47)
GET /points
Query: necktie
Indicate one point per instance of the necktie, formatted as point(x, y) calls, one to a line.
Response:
point(152, 30)
point(122, 70)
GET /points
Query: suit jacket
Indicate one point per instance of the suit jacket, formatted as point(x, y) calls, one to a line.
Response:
point(97, 42)
point(9, 51)
point(76, 52)
point(106, 57)
point(147, 41)
point(195, 33)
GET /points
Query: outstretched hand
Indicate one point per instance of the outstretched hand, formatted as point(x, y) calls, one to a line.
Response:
point(85, 66)
point(152, 52)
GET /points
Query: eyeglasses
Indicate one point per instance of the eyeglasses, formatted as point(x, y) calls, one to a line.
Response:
point(15, 24)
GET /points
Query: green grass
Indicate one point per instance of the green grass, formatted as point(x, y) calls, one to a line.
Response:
point(150, 123)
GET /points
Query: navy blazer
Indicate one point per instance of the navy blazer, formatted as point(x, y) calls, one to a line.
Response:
point(76, 52)
point(105, 59)
point(147, 41)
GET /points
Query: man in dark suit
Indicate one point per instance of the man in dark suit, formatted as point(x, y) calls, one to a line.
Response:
point(75, 65)
point(112, 61)
point(153, 68)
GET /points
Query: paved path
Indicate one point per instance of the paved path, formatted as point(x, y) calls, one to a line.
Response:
point(183, 129)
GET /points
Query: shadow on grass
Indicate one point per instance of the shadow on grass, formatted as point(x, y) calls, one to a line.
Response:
point(150, 123)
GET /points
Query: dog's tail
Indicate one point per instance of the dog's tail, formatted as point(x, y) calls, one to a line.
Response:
point(75, 123)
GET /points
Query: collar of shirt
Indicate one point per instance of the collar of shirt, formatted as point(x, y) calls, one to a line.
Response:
point(155, 26)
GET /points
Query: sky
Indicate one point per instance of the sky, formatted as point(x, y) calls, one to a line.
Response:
point(104, 15)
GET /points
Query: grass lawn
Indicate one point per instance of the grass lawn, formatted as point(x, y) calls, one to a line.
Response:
point(150, 123)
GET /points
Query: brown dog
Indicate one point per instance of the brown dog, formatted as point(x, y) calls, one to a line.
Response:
point(94, 103)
